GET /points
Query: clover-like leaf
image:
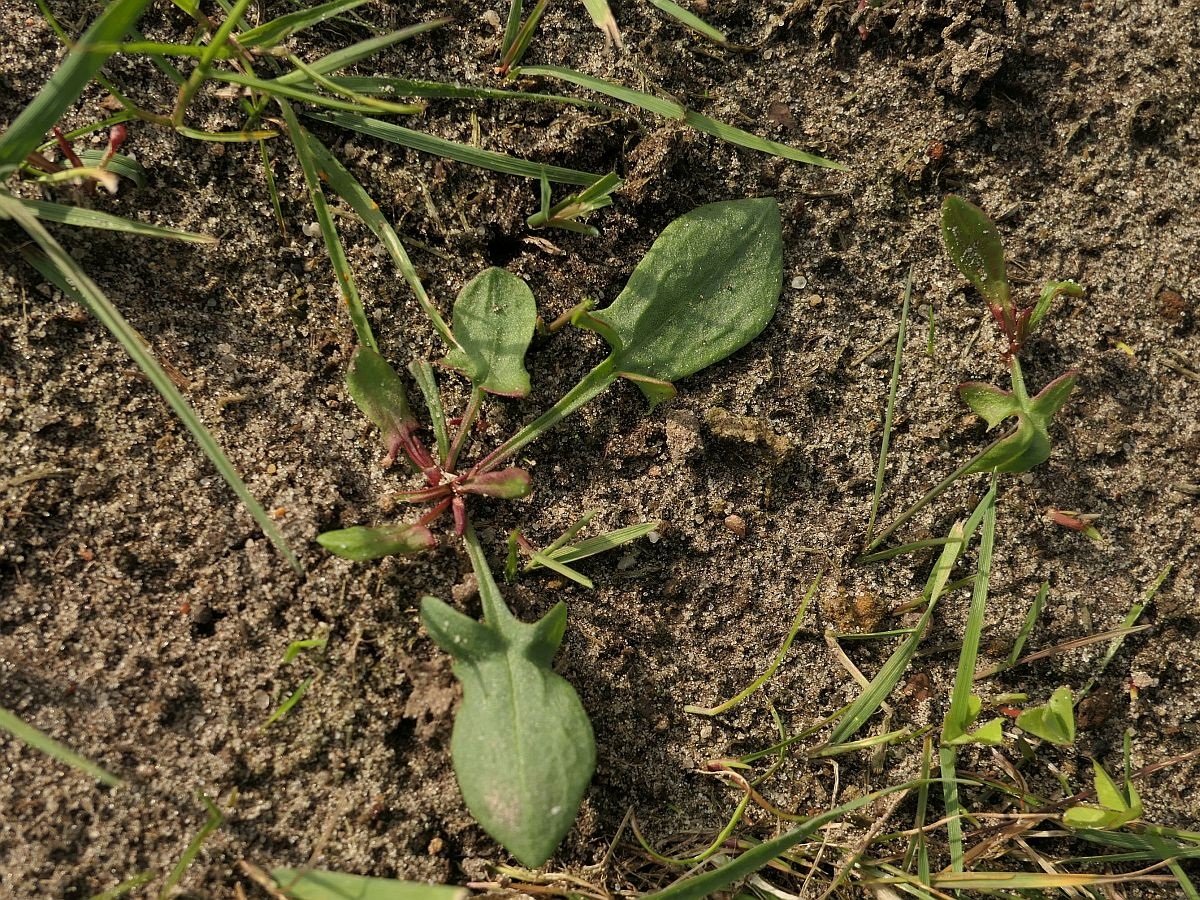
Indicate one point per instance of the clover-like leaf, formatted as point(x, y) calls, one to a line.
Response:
point(974, 244)
point(707, 287)
point(522, 744)
point(1054, 721)
point(957, 733)
point(494, 319)
point(1115, 809)
point(359, 543)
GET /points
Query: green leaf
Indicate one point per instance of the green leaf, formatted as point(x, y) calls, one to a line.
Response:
point(494, 319)
point(68, 81)
point(1050, 291)
point(1029, 444)
point(974, 244)
point(989, 402)
point(1116, 809)
point(359, 543)
point(522, 745)
point(1054, 721)
point(706, 288)
point(42, 742)
point(316, 884)
point(378, 391)
point(276, 31)
point(506, 484)
point(92, 218)
point(690, 19)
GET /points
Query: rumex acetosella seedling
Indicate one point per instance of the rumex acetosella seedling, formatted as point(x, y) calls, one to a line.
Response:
point(522, 746)
point(973, 243)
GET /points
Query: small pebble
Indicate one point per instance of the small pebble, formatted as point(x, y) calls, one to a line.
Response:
point(799, 282)
point(736, 524)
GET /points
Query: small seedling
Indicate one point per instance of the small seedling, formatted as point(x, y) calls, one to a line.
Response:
point(567, 212)
point(974, 245)
point(1116, 807)
point(522, 746)
point(1054, 721)
point(1076, 521)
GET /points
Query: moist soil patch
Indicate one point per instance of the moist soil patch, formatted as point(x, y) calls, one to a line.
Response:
point(143, 617)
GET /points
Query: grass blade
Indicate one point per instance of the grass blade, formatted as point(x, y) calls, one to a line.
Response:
point(690, 19)
point(604, 19)
point(348, 56)
point(60, 268)
point(129, 884)
point(891, 406)
point(1135, 613)
point(67, 82)
point(436, 90)
point(91, 218)
point(601, 543)
point(349, 189)
point(271, 34)
point(299, 94)
point(771, 669)
point(215, 820)
point(698, 887)
point(473, 156)
point(333, 243)
point(41, 741)
point(672, 110)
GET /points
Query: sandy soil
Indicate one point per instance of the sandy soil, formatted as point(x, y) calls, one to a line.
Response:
point(143, 618)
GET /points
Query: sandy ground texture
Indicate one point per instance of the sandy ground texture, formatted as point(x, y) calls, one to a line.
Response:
point(143, 618)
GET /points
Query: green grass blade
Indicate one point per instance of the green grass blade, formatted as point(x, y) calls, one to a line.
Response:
point(363, 101)
point(346, 186)
point(554, 565)
point(129, 884)
point(1135, 613)
point(91, 218)
point(292, 699)
point(60, 268)
point(271, 34)
point(436, 90)
point(660, 106)
point(215, 820)
point(690, 19)
point(697, 887)
point(226, 137)
point(604, 19)
point(947, 757)
point(317, 884)
point(897, 362)
point(512, 26)
point(672, 110)
point(473, 156)
point(422, 373)
point(958, 717)
point(333, 243)
point(299, 94)
point(42, 742)
point(602, 543)
point(67, 83)
point(348, 56)
point(771, 669)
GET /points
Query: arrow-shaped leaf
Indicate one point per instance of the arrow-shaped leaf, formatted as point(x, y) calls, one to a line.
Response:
point(522, 746)
point(1029, 443)
point(1054, 721)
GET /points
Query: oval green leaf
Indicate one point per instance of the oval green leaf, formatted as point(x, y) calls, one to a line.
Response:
point(378, 391)
point(974, 244)
point(494, 318)
point(706, 288)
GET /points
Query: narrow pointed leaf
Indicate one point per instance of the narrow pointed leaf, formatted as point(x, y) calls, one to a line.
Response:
point(1107, 792)
point(706, 288)
point(974, 244)
point(92, 218)
point(458, 634)
point(274, 32)
point(1052, 398)
point(359, 543)
point(1050, 291)
point(494, 320)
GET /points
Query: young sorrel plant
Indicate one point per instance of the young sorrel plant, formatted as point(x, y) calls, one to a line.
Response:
point(974, 245)
point(522, 746)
